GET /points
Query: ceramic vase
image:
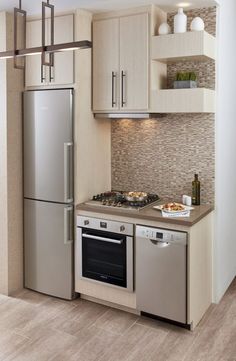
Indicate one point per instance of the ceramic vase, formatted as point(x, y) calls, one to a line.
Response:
point(197, 24)
point(164, 29)
point(180, 22)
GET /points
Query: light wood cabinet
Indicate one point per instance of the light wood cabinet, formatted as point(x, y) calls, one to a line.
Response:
point(134, 48)
point(121, 63)
point(106, 65)
point(63, 71)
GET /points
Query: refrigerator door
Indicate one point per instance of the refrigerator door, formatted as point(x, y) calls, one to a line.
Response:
point(48, 248)
point(48, 145)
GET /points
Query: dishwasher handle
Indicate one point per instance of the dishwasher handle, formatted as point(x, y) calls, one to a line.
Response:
point(160, 244)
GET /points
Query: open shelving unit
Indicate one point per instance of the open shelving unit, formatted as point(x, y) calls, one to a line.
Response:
point(198, 100)
point(190, 46)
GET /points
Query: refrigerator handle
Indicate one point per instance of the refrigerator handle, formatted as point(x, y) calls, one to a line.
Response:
point(68, 185)
point(68, 221)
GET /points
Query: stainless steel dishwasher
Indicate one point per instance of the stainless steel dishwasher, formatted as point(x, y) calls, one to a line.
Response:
point(161, 273)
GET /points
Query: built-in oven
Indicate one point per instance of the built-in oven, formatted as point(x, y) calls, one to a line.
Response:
point(105, 252)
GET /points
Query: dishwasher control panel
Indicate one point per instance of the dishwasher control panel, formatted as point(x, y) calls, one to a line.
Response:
point(161, 235)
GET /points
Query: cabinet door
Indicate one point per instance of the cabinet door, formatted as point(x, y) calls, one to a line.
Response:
point(33, 76)
point(63, 71)
point(134, 51)
point(106, 65)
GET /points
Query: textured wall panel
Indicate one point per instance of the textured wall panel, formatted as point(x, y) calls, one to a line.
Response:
point(162, 155)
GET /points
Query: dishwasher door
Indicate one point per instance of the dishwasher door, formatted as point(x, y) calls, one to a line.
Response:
point(161, 273)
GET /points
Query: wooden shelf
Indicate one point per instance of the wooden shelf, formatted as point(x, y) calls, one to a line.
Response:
point(199, 100)
point(194, 45)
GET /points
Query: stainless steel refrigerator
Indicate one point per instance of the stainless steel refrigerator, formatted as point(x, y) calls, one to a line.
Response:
point(48, 191)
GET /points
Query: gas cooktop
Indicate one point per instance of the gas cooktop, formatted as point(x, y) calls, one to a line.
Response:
point(115, 199)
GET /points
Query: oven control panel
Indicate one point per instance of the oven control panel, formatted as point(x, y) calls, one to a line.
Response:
point(105, 225)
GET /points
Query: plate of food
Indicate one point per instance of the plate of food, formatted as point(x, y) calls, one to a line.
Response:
point(173, 208)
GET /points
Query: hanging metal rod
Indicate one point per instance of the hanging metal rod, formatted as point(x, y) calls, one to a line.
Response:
point(23, 14)
point(76, 45)
point(49, 63)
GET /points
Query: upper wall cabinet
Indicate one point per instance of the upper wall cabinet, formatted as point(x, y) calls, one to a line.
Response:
point(63, 71)
point(131, 64)
point(106, 65)
point(121, 63)
point(134, 62)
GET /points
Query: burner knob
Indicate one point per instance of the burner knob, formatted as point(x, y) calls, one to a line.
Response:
point(86, 222)
point(122, 228)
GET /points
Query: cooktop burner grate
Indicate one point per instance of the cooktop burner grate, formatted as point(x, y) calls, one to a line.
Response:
point(117, 199)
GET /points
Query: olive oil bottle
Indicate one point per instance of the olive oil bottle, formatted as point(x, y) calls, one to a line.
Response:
point(196, 190)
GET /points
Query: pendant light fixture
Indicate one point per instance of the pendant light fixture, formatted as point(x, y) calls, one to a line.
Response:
point(43, 49)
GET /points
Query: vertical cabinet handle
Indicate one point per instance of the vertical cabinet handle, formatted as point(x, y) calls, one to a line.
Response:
point(43, 78)
point(68, 225)
point(123, 75)
point(113, 89)
point(51, 76)
point(68, 176)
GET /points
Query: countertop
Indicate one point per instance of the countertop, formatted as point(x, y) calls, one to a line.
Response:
point(150, 214)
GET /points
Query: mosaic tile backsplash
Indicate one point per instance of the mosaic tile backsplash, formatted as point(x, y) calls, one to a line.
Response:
point(162, 155)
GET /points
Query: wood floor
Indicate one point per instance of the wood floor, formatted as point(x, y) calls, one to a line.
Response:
point(34, 327)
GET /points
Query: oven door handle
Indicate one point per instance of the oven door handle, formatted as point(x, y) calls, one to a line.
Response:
point(103, 239)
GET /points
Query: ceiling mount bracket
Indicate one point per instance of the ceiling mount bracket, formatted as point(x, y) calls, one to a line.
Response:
point(23, 14)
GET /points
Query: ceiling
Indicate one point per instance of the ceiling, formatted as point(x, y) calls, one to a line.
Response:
point(33, 7)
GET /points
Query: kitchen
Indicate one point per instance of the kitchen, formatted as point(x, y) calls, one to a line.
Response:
point(158, 155)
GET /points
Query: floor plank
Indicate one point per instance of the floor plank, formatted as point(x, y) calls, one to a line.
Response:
point(35, 327)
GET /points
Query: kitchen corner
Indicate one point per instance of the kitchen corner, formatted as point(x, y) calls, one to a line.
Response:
point(117, 153)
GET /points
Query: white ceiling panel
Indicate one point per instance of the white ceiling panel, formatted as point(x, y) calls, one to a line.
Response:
point(33, 7)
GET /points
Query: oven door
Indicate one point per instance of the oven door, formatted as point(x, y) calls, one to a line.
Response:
point(106, 257)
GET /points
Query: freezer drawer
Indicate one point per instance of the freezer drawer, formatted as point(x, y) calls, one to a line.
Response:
point(161, 273)
point(48, 145)
point(48, 248)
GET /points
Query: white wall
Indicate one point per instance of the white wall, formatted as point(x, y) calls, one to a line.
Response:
point(225, 221)
point(11, 228)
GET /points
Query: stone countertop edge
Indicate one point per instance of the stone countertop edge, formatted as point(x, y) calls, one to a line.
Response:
point(151, 214)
